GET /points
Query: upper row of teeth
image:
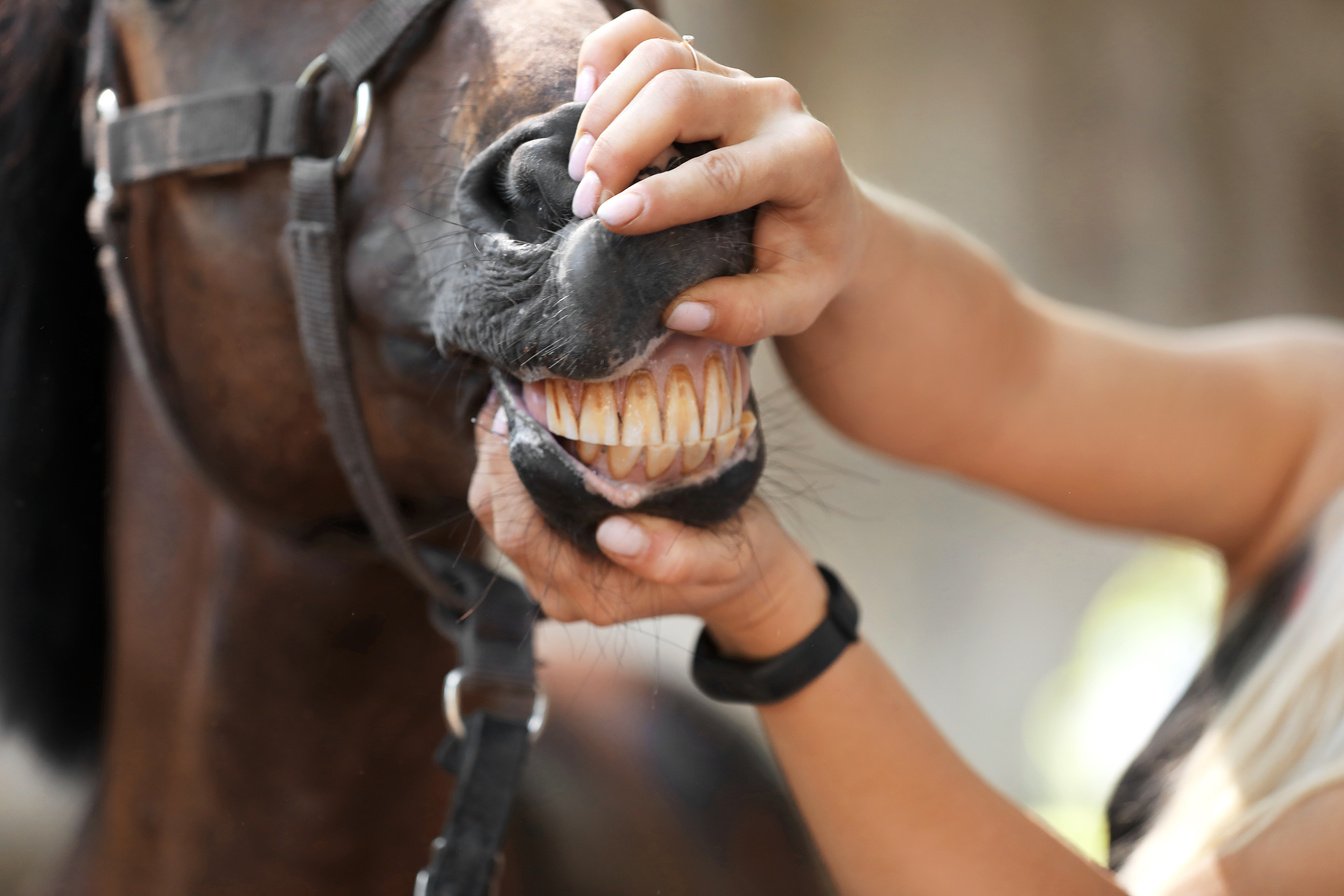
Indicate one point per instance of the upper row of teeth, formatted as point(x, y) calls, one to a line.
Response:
point(680, 418)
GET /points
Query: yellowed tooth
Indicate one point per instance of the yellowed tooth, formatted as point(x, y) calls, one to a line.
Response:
point(641, 423)
point(718, 417)
point(588, 452)
point(748, 425)
point(559, 412)
point(725, 445)
point(681, 416)
point(658, 458)
point(598, 421)
point(693, 455)
point(621, 459)
point(735, 388)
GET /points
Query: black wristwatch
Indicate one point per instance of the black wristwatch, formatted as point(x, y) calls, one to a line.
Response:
point(783, 675)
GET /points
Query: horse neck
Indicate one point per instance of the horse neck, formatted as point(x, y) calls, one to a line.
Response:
point(269, 696)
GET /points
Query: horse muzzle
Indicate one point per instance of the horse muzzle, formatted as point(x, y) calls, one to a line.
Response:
point(608, 410)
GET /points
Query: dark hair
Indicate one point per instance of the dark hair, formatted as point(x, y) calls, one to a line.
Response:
point(53, 361)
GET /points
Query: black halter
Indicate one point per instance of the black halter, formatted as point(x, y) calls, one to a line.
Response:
point(489, 618)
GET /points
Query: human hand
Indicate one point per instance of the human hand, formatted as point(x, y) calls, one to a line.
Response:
point(644, 93)
point(756, 589)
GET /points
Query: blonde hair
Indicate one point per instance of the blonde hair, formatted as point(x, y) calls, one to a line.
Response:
point(1278, 740)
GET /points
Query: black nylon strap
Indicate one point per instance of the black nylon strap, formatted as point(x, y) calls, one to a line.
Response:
point(498, 624)
point(358, 50)
point(222, 128)
point(463, 862)
point(490, 618)
point(314, 239)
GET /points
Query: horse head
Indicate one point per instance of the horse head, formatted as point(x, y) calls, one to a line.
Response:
point(248, 632)
point(465, 271)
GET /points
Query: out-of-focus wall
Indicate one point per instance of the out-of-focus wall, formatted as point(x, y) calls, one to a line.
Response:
point(1178, 163)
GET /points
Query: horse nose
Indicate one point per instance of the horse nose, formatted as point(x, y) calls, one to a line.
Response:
point(520, 184)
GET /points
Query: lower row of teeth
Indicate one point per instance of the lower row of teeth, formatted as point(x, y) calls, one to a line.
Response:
point(621, 460)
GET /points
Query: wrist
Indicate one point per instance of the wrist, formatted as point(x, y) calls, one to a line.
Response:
point(781, 610)
point(772, 679)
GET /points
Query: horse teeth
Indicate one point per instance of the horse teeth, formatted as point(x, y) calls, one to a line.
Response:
point(725, 445)
point(693, 455)
point(748, 425)
point(588, 452)
point(718, 416)
point(641, 423)
point(735, 389)
point(598, 420)
point(682, 415)
point(621, 459)
point(560, 417)
point(657, 459)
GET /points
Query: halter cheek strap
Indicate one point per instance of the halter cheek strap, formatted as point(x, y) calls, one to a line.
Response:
point(489, 617)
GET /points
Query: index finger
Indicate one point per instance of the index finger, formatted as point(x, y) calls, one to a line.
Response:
point(604, 49)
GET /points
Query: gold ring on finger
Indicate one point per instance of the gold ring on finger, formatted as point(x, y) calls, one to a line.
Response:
point(689, 41)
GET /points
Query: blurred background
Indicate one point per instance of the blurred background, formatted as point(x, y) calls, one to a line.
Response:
point(1177, 163)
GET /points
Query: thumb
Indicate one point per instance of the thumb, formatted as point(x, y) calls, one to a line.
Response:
point(670, 553)
point(746, 308)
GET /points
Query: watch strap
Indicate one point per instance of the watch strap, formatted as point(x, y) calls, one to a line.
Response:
point(785, 674)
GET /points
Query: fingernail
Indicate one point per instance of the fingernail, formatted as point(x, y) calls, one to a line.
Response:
point(585, 85)
point(620, 210)
point(585, 197)
point(617, 535)
point(500, 425)
point(578, 156)
point(690, 317)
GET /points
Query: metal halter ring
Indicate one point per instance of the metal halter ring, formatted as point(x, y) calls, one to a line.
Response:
point(108, 109)
point(452, 706)
point(359, 125)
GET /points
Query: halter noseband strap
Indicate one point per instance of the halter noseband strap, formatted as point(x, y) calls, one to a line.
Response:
point(488, 616)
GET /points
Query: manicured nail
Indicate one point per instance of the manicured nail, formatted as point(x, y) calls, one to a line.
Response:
point(585, 197)
point(690, 317)
point(620, 210)
point(617, 535)
point(585, 84)
point(578, 156)
point(500, 425)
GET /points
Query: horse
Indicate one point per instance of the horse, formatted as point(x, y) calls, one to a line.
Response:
point(192, 602)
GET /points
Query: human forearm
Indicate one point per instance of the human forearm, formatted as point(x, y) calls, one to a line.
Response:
point(934, 354)
point(893, 808)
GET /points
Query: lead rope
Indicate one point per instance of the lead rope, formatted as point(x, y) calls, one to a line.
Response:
point(489, 618)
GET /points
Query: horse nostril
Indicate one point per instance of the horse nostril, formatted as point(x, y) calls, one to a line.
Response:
point(537, 190)
point(520, 184)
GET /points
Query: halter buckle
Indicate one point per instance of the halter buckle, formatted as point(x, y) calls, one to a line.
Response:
point(106, 197)
point(359, 124)
point(510, 694)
